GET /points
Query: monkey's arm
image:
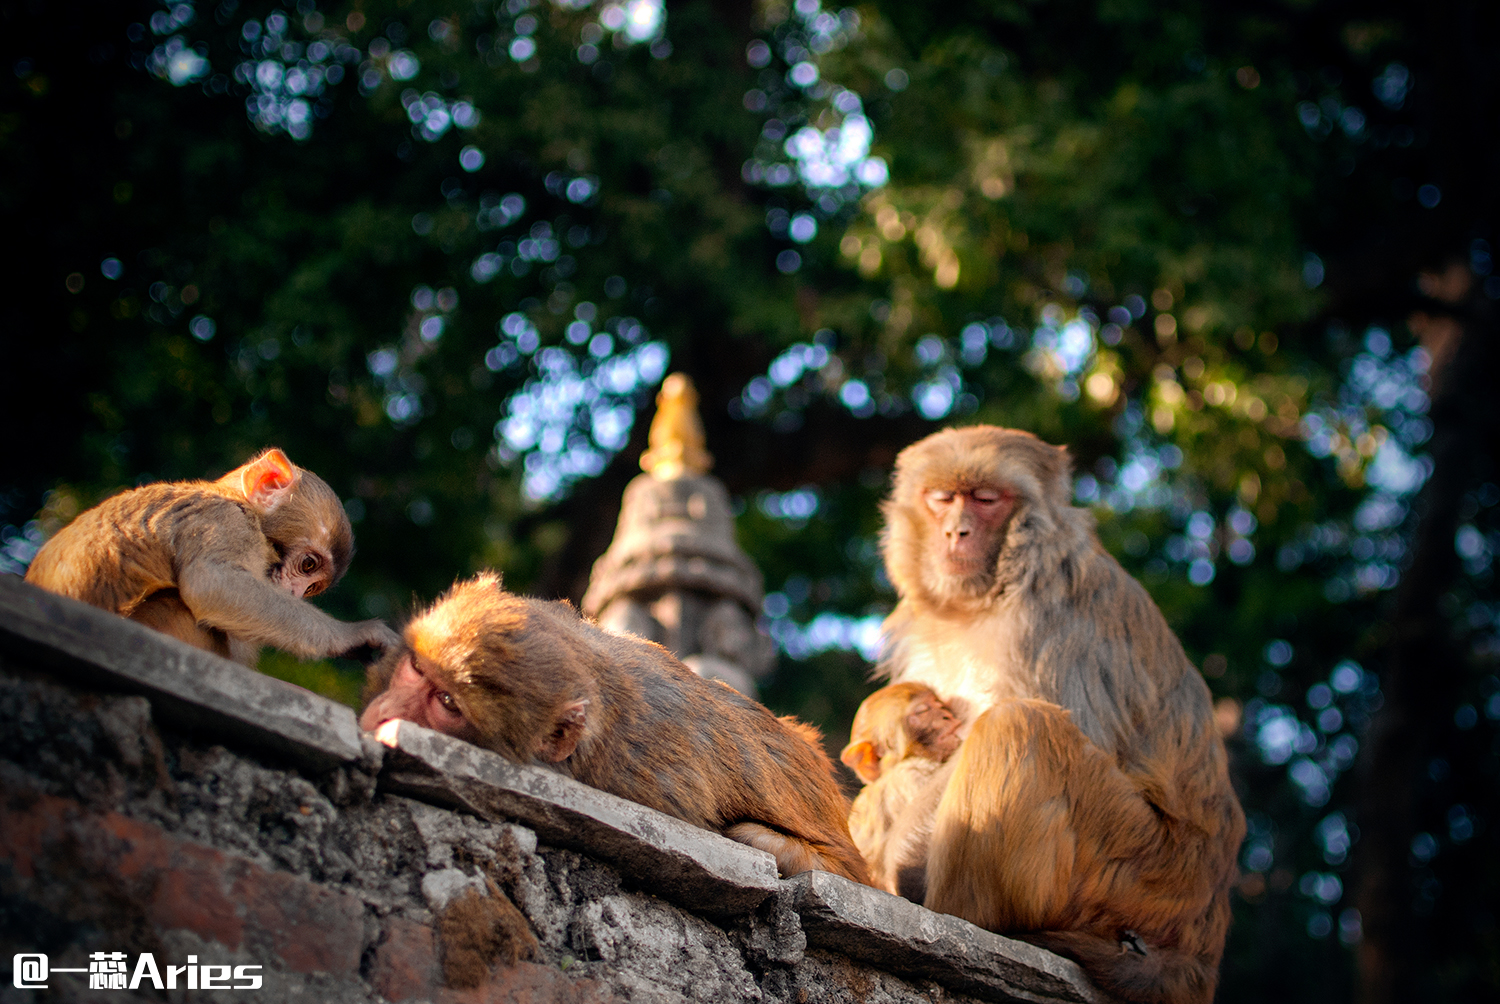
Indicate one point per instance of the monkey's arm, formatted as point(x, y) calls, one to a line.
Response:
point(249, 608)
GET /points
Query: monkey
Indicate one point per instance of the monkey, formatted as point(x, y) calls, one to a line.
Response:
point(223, 565)
point(901, 739)
point(1089, 808)
point(897, 722)
point(538, 684)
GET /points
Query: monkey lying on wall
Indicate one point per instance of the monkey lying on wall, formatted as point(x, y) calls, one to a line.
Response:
point(901, 738)
point(536, 683)
point(1089, 808)
point(223, 565)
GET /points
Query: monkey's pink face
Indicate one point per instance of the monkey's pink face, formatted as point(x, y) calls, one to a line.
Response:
point(307, 570)
point(417, 695)
point(930, 723)
point(971, 522)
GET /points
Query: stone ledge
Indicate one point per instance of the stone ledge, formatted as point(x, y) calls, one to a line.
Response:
point(187, 686)
point(685, 864)
point(899, 936)
point(698, 870)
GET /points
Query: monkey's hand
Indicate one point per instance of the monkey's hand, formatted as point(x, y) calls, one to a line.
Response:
point(250, 609)
point(375, 639)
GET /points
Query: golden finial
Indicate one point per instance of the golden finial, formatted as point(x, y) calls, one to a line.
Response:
point(676, 437)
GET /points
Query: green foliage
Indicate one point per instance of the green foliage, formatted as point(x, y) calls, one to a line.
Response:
point(1182, 240)
point(340, 681)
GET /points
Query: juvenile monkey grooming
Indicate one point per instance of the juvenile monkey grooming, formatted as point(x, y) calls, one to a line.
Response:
point(536, 683)
point(1089, 808)
point(223, 565)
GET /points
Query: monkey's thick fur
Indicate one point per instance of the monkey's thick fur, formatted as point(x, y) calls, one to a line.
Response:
point(891, 823)
point(196, 560)
point(1090, 808)
point(523, 670)
point(897, 748)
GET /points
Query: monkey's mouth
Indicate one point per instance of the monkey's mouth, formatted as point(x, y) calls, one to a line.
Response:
point(966, 561)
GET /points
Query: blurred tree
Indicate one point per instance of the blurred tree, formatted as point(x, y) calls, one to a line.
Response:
point(442, 253)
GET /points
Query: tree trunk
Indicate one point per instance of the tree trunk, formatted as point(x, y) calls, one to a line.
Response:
point(1423, 671)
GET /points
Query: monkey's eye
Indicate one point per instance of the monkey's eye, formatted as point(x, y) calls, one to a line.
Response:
point(940, 497)
point(447, 714)
point(309, 564)
point(986, 495)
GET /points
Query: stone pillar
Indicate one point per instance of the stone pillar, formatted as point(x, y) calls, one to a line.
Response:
point(674, 573)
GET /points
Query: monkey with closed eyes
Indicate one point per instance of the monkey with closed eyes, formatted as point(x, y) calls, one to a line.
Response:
point(1089, 808)
point(223, 565)
point(538, 684)
point(902, 738)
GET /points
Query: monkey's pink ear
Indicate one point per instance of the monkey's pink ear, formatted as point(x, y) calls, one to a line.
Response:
point(863, 760)
point(268, 480)
point(560, 743)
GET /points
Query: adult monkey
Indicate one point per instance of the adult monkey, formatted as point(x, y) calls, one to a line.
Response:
point(538, 684)
point(1090, 809)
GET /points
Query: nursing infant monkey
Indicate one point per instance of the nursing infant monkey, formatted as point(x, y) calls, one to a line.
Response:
point(1088, 809)
point(223, 565)
point(538, 684)
point(901, 738)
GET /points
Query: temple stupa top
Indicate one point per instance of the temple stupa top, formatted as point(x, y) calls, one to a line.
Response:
point(676, 441)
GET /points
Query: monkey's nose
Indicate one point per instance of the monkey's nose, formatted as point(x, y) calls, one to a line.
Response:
point(388, 732)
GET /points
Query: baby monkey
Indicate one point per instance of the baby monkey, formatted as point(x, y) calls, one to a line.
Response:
point(538, 684)
point(901, 742)
point(223, 565)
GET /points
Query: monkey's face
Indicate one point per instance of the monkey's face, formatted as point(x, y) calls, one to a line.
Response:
point(420, 694)
point(311, 535)
point(932, 727)
point(483, 710)
point(968, 529)
point(898, 721)
point(306, 570)
point(477, 667)
point(961, 499)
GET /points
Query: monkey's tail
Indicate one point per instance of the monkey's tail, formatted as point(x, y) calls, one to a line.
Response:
point(795, 855)
point(1127, 968)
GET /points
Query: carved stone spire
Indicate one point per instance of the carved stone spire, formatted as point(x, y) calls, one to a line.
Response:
point(674, 573)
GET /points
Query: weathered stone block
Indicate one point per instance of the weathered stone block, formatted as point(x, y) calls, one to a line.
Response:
point(895, 934)
point(120, 874)
point(673, 859)
point(188, 686)
point(154, 798)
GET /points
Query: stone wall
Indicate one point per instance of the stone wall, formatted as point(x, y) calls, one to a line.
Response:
point(157, 800)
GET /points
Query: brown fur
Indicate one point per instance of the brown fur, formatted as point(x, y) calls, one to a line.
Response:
point(891, 824)
point(476, 931)
point(901, 738)
point(1090, 807)
point(897, 723)
point(537, 683)
point(202, 561)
